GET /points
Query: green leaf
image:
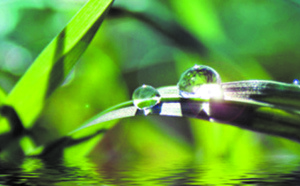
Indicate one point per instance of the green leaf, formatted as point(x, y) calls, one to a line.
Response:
point(2, 95)
point(82, 140)
point(55, 62)
point(159, 18)
point(263, 106)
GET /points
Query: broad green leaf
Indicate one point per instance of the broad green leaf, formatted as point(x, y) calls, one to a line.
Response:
point(55, 62)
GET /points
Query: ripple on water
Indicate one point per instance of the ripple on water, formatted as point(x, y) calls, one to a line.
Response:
point(274, 171)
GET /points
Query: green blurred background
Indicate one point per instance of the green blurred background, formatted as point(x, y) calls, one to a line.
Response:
point(153, 42)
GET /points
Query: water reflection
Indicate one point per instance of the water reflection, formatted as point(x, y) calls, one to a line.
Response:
point(34, 171)
point(270, 171)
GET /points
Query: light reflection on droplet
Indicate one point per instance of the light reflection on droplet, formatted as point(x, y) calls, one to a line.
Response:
point(296, 82)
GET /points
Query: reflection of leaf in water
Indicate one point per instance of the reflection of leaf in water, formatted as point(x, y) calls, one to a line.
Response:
point(34, 171)
point(266, 171)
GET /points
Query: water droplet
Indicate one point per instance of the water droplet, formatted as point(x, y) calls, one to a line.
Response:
point(296, 82)
point(200, 81)
point(145, 97)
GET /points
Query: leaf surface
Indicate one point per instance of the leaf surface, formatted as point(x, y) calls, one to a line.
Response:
point(55, 62)
point(2, 95)
point(264, 106)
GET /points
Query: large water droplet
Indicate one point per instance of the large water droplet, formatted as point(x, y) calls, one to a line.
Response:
point(200, 81)
point(145, 97)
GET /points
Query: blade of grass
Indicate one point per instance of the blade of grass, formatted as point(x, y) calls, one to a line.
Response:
point(163, 24)
point(55, 62)
point(253, 105)
point(238, 108)
point(276, 93)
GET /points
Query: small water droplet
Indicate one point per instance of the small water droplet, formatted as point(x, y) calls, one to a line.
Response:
point(296, 82)
point(145, 97)
point(200, 81)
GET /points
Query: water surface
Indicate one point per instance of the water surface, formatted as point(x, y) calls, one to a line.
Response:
point(282, 170)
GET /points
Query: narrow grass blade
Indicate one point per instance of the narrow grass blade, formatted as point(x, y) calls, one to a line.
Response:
point(55, 62)
point(163, 24)
point(263, 106)
point(275, 93)
point(245, 105)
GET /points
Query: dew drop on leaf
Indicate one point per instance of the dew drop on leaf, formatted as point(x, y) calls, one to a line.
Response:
point(200, 81)
point(145, 97)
